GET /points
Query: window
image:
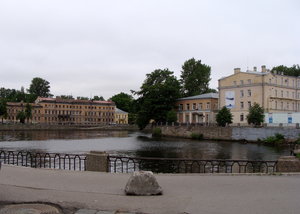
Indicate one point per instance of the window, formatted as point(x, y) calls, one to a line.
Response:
point(281, 105)
point(275, 104)
point(242, 105)
point(270, 81)
point(288, 106)
point(180, 107)
point(249, 92)
point(287, 94)
point(249, 104)
point(241, 93)
point(281, 93)
point(275, 93)
point(234, 83)
point(242, 82)
point(200, 106)
point(249, 81)
point(194, 106)
point(187, 106)
point(208, 105)
point(242, 117)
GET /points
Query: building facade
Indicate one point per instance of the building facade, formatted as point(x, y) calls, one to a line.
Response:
point(121, 117)
point(275, 92)
point(197, 109)
point(66, 111)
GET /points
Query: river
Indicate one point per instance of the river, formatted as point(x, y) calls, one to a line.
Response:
point(136, 144)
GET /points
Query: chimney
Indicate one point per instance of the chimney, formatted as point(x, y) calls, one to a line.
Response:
point(237, 70)
point(263, 69)
point(254, 68)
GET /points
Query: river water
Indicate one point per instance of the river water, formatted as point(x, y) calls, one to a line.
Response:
point(135, 144)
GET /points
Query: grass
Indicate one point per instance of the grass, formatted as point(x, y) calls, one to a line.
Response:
point(197, 136)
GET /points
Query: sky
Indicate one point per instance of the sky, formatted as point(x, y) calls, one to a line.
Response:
point(97, 47)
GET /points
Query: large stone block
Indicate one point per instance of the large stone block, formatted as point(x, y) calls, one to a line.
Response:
point(288, 164)
point(142, 183)
point(97, 161)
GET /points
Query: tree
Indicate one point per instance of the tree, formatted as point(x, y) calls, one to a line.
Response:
point(289, 71)
point(171, 116)
point(224, 117)
point(28, 112)
point(256, 115)
point(157, 96)
point(123, 101)
point(21, 116)
point(67, 97)
point(3, 109)
point(82, 98)
point(98, 98)
point(195, 78)
point(40, 87)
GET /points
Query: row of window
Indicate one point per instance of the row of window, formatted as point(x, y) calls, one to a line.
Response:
point(79, 107)
point(249, 93)
point(287, 94)
point(194, 106)
point(281, 82)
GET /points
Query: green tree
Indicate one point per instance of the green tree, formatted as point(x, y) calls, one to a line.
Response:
point(194, 78)
point(82, 98)
point(40, 87)
point(171, 116)
point(289, 71)
point(98, 98)
point(67, 97)
point(224, 117)
point(21, 116)
point(157, 96)
point(28, 112)
point(256, 115)
point(123, 101)
point(3, 109)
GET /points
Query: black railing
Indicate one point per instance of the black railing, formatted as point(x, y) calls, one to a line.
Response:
point(174, 165)
point(44, 160)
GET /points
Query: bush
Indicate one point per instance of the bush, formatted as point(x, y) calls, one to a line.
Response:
point(277, 139)
point(197, 136)
point(156, 132)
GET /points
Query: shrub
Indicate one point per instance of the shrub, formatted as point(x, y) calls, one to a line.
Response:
point(156, 132)
point(197, 136)
point(277, 139)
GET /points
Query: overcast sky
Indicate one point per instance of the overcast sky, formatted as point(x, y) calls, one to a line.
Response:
point(94, 47)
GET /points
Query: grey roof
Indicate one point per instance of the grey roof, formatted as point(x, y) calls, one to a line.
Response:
point(201, 96)
point(120, 111)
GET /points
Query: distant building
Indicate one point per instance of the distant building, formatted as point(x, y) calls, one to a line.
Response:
point(275, 92)
point(66, 111)
point(197, 109)
point(121, 117)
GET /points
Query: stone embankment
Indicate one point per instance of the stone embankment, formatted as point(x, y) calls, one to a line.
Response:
point(40, 127)
point(230, 133)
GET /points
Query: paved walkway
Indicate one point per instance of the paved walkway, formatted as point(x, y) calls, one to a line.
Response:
point(92, 192)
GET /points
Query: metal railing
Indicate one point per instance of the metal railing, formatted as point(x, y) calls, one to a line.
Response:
point(44, 160)
point(121, 164)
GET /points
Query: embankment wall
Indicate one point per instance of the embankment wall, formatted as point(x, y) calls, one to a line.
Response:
point(230, 133)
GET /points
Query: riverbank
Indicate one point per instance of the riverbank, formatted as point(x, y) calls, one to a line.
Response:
point(249, 134)
point(43, 127)
point(197, 193)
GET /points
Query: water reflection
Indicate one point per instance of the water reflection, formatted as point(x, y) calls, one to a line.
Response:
point(135, 144)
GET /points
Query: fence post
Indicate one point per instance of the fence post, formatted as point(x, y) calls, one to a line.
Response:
point(97, 161)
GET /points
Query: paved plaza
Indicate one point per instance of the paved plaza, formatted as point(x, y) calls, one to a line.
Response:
point(96, 192)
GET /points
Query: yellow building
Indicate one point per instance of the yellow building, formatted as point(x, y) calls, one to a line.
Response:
point(197, 109)
point(66, 111)
point(273, 91)
point(121, 117)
